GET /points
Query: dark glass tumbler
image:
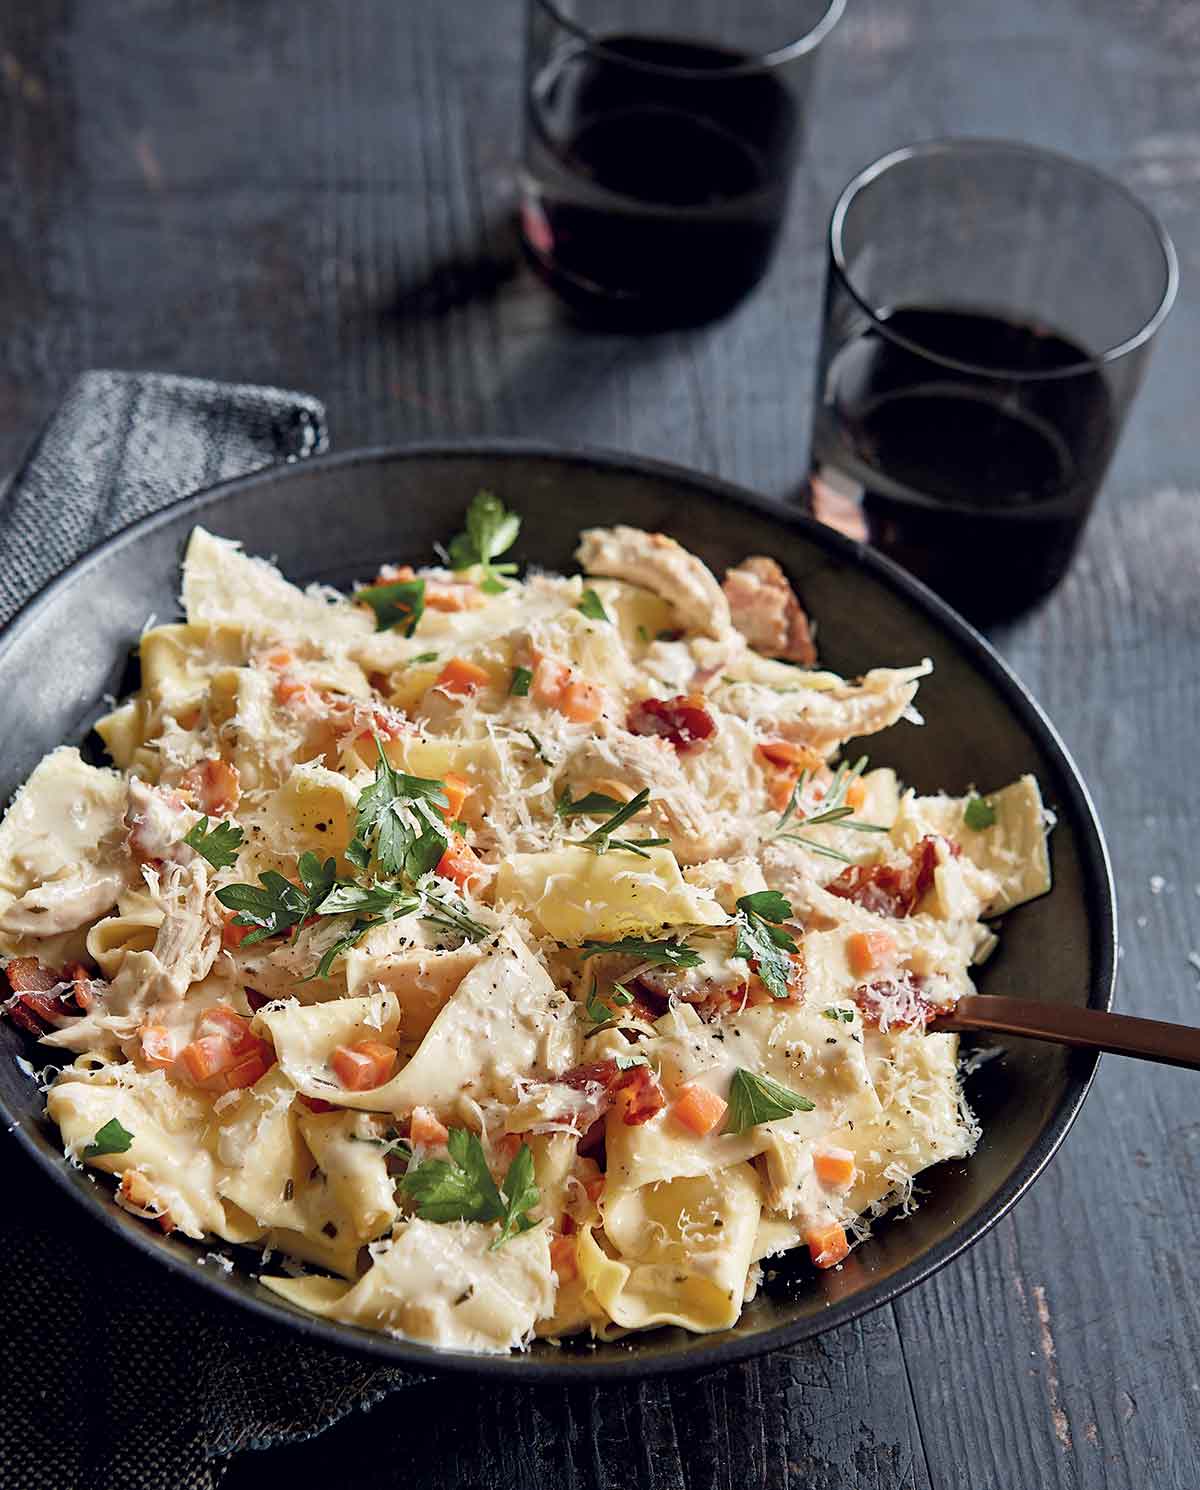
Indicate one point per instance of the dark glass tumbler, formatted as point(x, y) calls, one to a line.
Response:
point(659, 143)
point(989, 309)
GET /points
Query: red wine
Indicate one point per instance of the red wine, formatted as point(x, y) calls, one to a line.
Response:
point(974, 465)
point(655, 197)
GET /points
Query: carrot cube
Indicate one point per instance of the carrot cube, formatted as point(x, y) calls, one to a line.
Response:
point(581, 703)
point(363, 1066)
point(856, 794)
point(458, 789)
point(789, 755)
point(699, 1109)
point(827, 1245)
point(868, 951)
point(550, 679)
point(834, 1167)
point(459, 863)
point(424, 1128)
point(157, 1049)
point(461, 676)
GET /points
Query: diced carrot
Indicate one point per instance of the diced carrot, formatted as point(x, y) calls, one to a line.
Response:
point(550, 679)
point(279, 658)
point(789, 755)
point(456, 597)
point(157, 1048)
point(868, 951)
point(229, 1025)
point(856, 794)
point(233, 936)
point(834, 1167)
point(581, 702)
point(458, 789)
point(827, 1245)
point(363, 1066)
point(563, 1258)
point(461, 676)
point(289, 688)
point(459, 863)
point(424, 1128)
point(699, 1109)
point(214, 785)
point(224, 1055)
point(207, 1058)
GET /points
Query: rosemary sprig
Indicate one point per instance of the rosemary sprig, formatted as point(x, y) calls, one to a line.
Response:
point(601, 840)
point(833, 810)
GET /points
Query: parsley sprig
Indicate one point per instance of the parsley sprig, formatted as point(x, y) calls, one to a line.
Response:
point(833, 810)
point(401, 603)
point(461, 1188)
point(491, 530)
point(277, 905)
point(762, 940)
point(759, 1099)
point(601, 840)
point(399, 838)
point(220, 847)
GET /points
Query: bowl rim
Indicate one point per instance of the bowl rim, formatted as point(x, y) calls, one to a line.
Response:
point(723, 1348)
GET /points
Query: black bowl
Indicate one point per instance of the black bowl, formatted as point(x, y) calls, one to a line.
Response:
point(334, 519)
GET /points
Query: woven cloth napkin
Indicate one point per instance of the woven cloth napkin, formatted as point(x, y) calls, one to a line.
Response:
point(115, 1375)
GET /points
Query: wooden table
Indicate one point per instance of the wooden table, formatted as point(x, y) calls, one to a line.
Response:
point(319, 195)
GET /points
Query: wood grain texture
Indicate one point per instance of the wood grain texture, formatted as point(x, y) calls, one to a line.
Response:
point(320, 195)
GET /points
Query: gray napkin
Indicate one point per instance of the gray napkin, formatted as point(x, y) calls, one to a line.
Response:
point(112, 1373)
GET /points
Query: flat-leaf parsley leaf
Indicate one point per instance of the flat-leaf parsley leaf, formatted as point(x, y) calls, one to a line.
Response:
point(758, 1099)
point(112, 1138)
point(220, 846)
point(763, 941)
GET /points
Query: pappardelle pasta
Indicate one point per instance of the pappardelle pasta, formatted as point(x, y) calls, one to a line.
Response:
point(504, 957)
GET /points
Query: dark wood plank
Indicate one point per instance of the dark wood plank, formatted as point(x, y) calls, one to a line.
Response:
point(318, 195)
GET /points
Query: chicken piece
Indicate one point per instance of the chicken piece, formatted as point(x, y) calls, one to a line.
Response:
point(658, 563)
point(64, 905)
point(825, 718)
point(764, 608)
point(638, 761)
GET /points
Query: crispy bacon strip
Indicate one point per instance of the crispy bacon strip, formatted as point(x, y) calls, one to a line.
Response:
point(683, 721)
point(900, 1002)
point(44, 998)
point(636, 1090)
point(885, 889)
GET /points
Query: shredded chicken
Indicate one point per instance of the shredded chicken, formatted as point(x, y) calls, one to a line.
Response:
point(658, 563)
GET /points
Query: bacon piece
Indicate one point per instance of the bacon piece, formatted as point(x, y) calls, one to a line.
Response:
point(214, 786)
point(885, 889)
point(44, 998)
point(898, 1003)
point(683, 721)
point(635, 1090)
point(764, 608)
